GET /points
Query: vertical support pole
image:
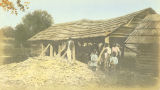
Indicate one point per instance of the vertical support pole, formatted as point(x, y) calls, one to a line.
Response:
point(42, 47)
point(100, 55)
point(55, 53)
point(122, 52)
point(59, 49)
point(51, 50)
point(73, 50)
point(54, 48)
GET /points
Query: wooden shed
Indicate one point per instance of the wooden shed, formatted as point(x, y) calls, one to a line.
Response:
point(88, 34)
point(146, 40)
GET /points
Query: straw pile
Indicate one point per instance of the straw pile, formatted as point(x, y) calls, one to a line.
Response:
point(47, 71)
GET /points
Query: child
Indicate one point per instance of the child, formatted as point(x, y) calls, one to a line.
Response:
point(94, 58)
point(113, 61)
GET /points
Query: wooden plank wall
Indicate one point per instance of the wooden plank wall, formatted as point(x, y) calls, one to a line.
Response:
point(147, 60)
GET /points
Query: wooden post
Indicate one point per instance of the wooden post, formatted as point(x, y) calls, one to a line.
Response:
point(100, 55)
point(59, 50)
point(75, 50)
point(42, 47)
point(51, 51)
point(55, 53)
point(54, 49)
point(73, 54)
point(122, 51)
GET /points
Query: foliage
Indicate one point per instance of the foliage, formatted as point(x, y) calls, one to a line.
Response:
point(37, 21)
point(8, 31)
point(18, 49)
point(20, 33)
point(10, 6)
point(31, 24)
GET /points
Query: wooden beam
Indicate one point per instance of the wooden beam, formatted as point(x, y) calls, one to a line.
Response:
point(51, 51)
point(55, 53)
point(131, 50)
point(100, 55)
point(42, 53)
point(64, 54)
point(129, 22)
point(73, 54)
point(61, 48)
point(42, 47)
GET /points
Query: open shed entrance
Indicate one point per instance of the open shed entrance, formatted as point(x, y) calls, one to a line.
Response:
point(84, 48)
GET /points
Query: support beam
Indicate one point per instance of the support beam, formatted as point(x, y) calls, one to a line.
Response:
point(74, 56)
point(100, 55)
point(61, 48)
point(43, 51)
point(51, 51)
point(42, 47)
point(129, 22)
point(55, 53)
point(64, 54)
point(54, 49)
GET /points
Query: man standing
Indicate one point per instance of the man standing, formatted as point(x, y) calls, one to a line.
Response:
point(116, 50)
point(117, 53)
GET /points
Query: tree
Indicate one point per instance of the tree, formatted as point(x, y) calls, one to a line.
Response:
point(21, 34)
point(31, 24)
point(10, 6)
point(37, 21)
point(8, 31)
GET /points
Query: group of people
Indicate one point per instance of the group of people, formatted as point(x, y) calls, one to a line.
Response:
point(108, 60)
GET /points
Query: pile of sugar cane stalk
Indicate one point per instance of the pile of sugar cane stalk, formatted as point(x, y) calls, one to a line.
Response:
point(47, 71)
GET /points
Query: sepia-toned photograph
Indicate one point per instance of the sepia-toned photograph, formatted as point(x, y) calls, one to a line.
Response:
point(79, 44)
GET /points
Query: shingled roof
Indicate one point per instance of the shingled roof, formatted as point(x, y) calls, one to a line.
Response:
point(85, 28)
point(147, 31)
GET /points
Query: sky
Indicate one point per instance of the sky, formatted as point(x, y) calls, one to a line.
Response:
point(71, 10)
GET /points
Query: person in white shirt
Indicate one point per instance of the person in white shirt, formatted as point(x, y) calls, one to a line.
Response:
point(94, 58)
point(113, 61)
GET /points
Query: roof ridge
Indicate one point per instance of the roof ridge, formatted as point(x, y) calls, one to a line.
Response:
point(89, 20)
